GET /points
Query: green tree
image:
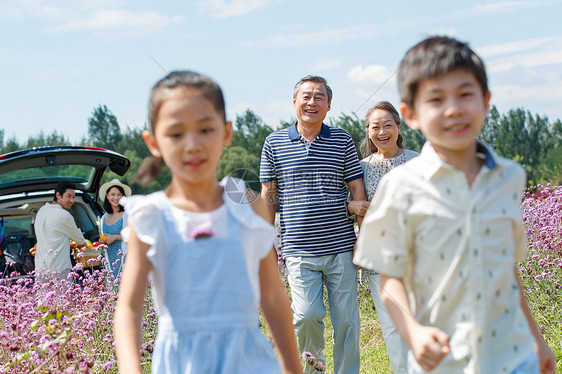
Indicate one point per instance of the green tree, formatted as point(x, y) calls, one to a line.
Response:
point(132, 140)
point(250, 132)
point(539, 144)
point(556, 134)
point(133, 147)
point(524, 138)
point(412, 139)
point(491, 128)
point(103, 129)
point(285, 124)
point(11, 145)
point(513, 136)
point(354, 126)
point(550, 169)
point(238, 162)
point(42, 140)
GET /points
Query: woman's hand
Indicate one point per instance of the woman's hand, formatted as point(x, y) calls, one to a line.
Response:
point(358, 207)
point(110, 238)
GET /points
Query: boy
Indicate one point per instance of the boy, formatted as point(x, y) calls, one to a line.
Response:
point(445, 228)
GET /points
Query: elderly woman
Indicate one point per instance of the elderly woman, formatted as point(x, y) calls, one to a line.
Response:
point(382, 151)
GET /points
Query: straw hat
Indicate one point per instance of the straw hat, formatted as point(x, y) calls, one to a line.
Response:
point(114, 182)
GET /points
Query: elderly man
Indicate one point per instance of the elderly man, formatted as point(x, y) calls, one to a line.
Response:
point(307, 167)
point(54, 228)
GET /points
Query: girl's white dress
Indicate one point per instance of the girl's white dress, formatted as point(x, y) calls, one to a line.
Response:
point(206, 290)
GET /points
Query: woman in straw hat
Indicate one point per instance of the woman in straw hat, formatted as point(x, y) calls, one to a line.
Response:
point(112, 223)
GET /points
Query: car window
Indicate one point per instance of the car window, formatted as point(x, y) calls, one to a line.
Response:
point(78, 173)
point(19, 224)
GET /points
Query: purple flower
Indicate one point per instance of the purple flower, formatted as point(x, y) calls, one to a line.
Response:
point(108, 365)
point(319, 366)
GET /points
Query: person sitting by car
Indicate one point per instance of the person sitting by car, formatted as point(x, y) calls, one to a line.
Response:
point(54, 228)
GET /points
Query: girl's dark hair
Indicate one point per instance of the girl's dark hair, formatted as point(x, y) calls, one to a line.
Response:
point(183, 79)
point(106, 204)
point(367, 147)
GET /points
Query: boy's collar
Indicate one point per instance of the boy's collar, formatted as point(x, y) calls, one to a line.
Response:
point(484, 152)
point(433, 163)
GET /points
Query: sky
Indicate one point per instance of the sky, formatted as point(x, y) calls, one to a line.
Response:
point(60, 59)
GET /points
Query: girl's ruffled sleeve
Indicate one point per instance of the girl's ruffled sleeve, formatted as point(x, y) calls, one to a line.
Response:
point(257, 234)
point(147, 219)
point(261, 235)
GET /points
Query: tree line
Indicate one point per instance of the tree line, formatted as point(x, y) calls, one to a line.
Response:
point(530, 139)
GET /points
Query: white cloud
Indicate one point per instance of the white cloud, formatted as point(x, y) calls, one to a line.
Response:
point(506, 6)
point(518, 46)
point(79, 15)
point(109, 19)
point(525, 53)
point(328, 63)
point(52, 9)
point(326, 36)
point(370, 74)
point(547, 95)
point(369, 84)
point(536, 59)
point(225, 9)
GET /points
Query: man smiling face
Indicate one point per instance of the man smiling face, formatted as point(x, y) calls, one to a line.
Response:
point(311, 104)
point(66, 199)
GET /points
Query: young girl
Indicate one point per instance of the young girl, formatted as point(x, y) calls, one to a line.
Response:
point(210, 258)
point(113, 222)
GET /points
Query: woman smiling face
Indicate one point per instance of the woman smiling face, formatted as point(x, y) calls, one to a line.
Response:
point(113, 196)
point(383, 132)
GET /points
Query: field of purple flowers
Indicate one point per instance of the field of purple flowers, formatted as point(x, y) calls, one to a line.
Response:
point(541, 274)
point(63, 327)
point(67, 327)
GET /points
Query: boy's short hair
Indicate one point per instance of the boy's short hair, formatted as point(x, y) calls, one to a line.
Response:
point(433, 57)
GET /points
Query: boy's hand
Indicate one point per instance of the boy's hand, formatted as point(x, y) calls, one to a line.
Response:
point(547, 361)
point(429, 345)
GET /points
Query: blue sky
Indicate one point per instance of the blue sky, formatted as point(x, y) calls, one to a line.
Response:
point(59, 59)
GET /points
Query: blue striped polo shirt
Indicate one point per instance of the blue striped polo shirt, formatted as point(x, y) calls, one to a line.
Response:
point(311, 189)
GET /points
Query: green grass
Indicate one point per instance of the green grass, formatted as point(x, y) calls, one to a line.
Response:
point(374, 359)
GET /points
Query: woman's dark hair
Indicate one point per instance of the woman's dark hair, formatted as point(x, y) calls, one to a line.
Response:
point(107, 205)
point(367, 147)
point(150, 168)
